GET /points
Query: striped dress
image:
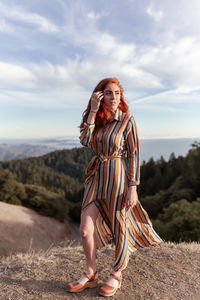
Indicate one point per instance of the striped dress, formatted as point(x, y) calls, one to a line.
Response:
point(113, 168)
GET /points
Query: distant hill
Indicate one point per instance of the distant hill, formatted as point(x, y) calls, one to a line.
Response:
point(169, 272)
point(148, 147)
point(19, 151)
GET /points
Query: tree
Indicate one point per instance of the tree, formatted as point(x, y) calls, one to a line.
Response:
point(180, 222)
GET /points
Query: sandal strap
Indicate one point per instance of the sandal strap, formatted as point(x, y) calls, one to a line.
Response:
point(90, 276)
point(116, 277)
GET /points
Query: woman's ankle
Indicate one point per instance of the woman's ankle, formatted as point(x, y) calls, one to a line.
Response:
point(90, 270)
point(117, 273)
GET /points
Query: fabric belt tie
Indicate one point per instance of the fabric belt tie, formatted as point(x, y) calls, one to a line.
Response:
point(94, 163)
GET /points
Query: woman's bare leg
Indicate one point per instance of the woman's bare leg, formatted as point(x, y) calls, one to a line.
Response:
point(88, 220)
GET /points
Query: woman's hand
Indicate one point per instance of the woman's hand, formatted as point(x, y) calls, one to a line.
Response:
point(95, 101)
point(132, 197)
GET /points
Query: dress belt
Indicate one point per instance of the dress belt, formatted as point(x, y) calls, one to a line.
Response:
point(104, 158)
point(94, 163)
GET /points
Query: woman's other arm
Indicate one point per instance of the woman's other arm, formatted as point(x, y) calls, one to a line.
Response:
point(133, 153)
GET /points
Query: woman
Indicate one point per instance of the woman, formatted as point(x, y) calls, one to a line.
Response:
point(110, 208)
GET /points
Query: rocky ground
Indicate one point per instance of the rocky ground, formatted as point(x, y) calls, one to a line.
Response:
point(167, 272)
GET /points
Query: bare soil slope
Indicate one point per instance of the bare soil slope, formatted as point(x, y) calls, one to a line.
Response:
point(167, 272)
point(22, 228)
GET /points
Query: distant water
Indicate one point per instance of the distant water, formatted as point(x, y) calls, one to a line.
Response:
point(149, 147)
point(164, 147)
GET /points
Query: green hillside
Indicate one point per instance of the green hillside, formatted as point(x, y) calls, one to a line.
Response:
point(53, 185)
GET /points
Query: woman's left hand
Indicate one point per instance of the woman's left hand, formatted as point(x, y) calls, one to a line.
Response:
point(132, 197)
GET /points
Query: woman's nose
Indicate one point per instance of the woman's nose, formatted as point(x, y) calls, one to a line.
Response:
point(112, 96)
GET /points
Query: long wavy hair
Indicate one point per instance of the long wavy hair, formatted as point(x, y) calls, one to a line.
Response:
point(103, 113)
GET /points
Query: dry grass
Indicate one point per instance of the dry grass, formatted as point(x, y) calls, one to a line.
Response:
point(22, 228)
point(171, 271)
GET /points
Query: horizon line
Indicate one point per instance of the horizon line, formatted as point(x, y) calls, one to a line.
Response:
point(77, 138)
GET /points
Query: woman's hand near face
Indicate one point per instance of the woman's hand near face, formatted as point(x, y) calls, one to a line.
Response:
point(95, 101)
point(132, 197)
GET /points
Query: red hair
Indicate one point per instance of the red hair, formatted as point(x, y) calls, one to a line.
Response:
point(103, 113)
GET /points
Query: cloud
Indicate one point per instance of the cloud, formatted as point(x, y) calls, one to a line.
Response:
point(156, 15)
point(40, 84)
point(166, 63)
point(17, 13)
point(15, 76)
point(158, 67)
point(48, 99)
point(5, 27)
point(96, 16)
point(174, 18)
point(175, 63)
point(174, 101)
point(53, 60)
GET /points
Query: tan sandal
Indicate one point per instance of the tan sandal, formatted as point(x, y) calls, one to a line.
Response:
point(76, 287)
point(107, 290)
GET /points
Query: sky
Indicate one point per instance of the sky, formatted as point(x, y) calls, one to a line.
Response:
point(54, 52)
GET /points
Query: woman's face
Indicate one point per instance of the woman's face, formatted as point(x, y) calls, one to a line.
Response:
point(111, 96)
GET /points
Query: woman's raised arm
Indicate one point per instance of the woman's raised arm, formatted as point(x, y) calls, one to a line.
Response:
point(88, 127)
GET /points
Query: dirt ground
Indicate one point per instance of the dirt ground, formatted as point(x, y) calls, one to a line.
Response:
point(167, 272)
point(22, 228)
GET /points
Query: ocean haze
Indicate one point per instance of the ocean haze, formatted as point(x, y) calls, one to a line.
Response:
point(155, 148)
point(164, 147)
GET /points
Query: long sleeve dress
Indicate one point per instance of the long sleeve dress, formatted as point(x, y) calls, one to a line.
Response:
point(113, 168)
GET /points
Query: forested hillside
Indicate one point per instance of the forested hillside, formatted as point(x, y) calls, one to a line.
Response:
point(53, 185)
